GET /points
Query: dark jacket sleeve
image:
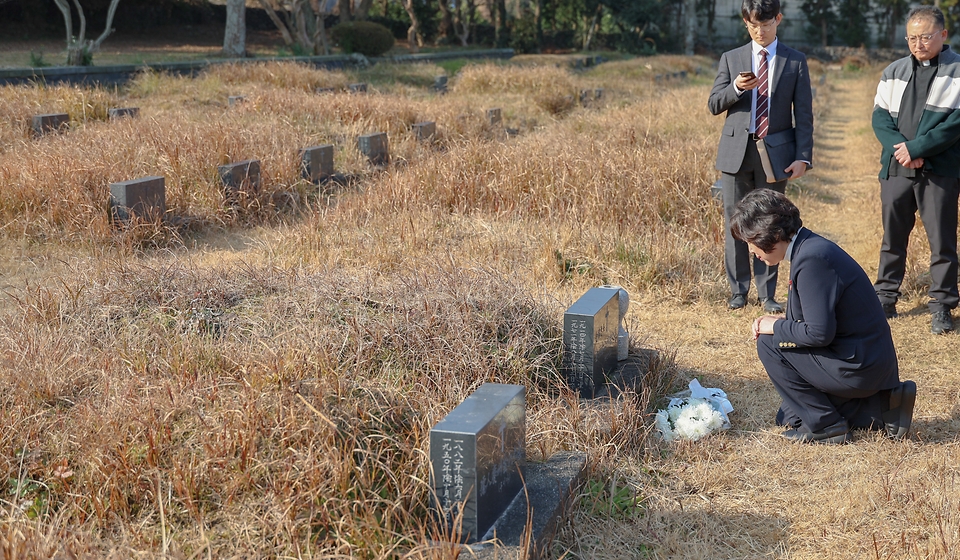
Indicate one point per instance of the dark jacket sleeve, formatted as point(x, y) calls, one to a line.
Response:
point(724, 94)
point(818, 288)
point(803, 113)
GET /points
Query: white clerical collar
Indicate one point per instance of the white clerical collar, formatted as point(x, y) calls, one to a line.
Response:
point(789, 254)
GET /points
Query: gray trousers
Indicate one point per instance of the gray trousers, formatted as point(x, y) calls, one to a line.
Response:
point(936, 199)
point(736, 255)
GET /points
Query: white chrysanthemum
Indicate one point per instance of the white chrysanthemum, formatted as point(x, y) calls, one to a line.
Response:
point(663, 424)
point(697, 419)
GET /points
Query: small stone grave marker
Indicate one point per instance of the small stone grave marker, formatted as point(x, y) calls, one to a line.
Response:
point(321, 90)
point(316, 163)
point(494, 116)
point(425, 131)
point(374, 146)
point(50, 122)
point(235, 100)
point(357, 88)
point(144, 198)
point(440, 84)
point(590, 339)
point(477, 454)
point(240, 178)
point(121, 112)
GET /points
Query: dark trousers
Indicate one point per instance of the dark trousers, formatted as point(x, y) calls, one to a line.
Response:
point(736, 255)
point(936, 199)
point(816, 398)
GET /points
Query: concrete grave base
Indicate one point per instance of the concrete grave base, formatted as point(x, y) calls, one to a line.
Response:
point(549, 491)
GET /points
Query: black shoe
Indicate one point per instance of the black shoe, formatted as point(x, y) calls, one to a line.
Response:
point(737, 301)
point(898, 418)
point(941, 322)
point(837, 433)
point(771, 306)
point(889, 310)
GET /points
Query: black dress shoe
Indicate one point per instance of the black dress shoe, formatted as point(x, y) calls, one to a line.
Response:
point(737, 301)
point(889, 310)
point(837, 433)
point(898, 418)
point(941, 322)
point(771, 306)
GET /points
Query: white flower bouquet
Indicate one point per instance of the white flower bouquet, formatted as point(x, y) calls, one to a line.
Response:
point(695, 413)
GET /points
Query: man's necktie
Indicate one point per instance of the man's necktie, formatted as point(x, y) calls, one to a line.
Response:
point(763, 99)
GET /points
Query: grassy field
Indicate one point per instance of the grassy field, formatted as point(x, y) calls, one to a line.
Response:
point(260, 381)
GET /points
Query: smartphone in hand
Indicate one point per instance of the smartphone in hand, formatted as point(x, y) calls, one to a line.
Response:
point(748, 75)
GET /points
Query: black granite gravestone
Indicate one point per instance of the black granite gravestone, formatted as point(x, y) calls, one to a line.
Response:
point(144, 198)
point(425, 131)
point(477, 454)
point(120, 112)
point(440, 84)
point(357, 88)
point(50, 122)
point(241, 178)
point(316, 163)
point(374, 146)
point(590, 329)
point(494, 116)
point(235, 100)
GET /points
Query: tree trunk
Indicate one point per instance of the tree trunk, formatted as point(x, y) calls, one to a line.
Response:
point(446, 23)
point(501, 30)
point(593, 27)
point(344, 9)
point(690, 15)
point(79, 49)
point(235, 34)
point(282, 27)
point(538, 23)
point(362, 9)
point(462, 13)
point(414, 31)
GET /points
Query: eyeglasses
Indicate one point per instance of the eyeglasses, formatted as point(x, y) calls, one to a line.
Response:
point(765, 25)
point(925, 38)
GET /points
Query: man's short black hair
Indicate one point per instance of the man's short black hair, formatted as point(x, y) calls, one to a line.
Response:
point(764, 218)
point(760, 10)
point(931, 13)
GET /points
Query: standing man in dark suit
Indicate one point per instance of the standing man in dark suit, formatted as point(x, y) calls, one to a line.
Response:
point(831, 358)
point(767, 138)
point(916, 117)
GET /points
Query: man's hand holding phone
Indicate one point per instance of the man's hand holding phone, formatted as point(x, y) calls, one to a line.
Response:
point(746, 81)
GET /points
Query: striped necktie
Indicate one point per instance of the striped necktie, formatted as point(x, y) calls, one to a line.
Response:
point(763, 98)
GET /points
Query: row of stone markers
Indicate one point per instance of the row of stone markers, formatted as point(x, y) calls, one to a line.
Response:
point(56, 122)
point(483, 487)
point(145, 198)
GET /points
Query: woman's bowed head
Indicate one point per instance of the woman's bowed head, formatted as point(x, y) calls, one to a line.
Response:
point(766, 221)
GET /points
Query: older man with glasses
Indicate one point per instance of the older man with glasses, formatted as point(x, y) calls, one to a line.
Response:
point(916, 117)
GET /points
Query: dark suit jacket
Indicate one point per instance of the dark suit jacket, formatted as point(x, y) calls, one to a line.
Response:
point(833, 313)
point(790, 101)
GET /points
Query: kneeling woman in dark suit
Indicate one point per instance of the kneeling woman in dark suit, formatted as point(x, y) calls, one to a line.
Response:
point(831, 357)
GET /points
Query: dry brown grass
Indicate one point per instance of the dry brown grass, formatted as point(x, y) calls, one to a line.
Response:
point(263, 385)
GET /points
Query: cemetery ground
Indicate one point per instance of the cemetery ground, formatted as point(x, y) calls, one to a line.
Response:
point(259, 378)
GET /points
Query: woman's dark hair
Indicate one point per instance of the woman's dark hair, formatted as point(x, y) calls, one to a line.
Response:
point(764, 218)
